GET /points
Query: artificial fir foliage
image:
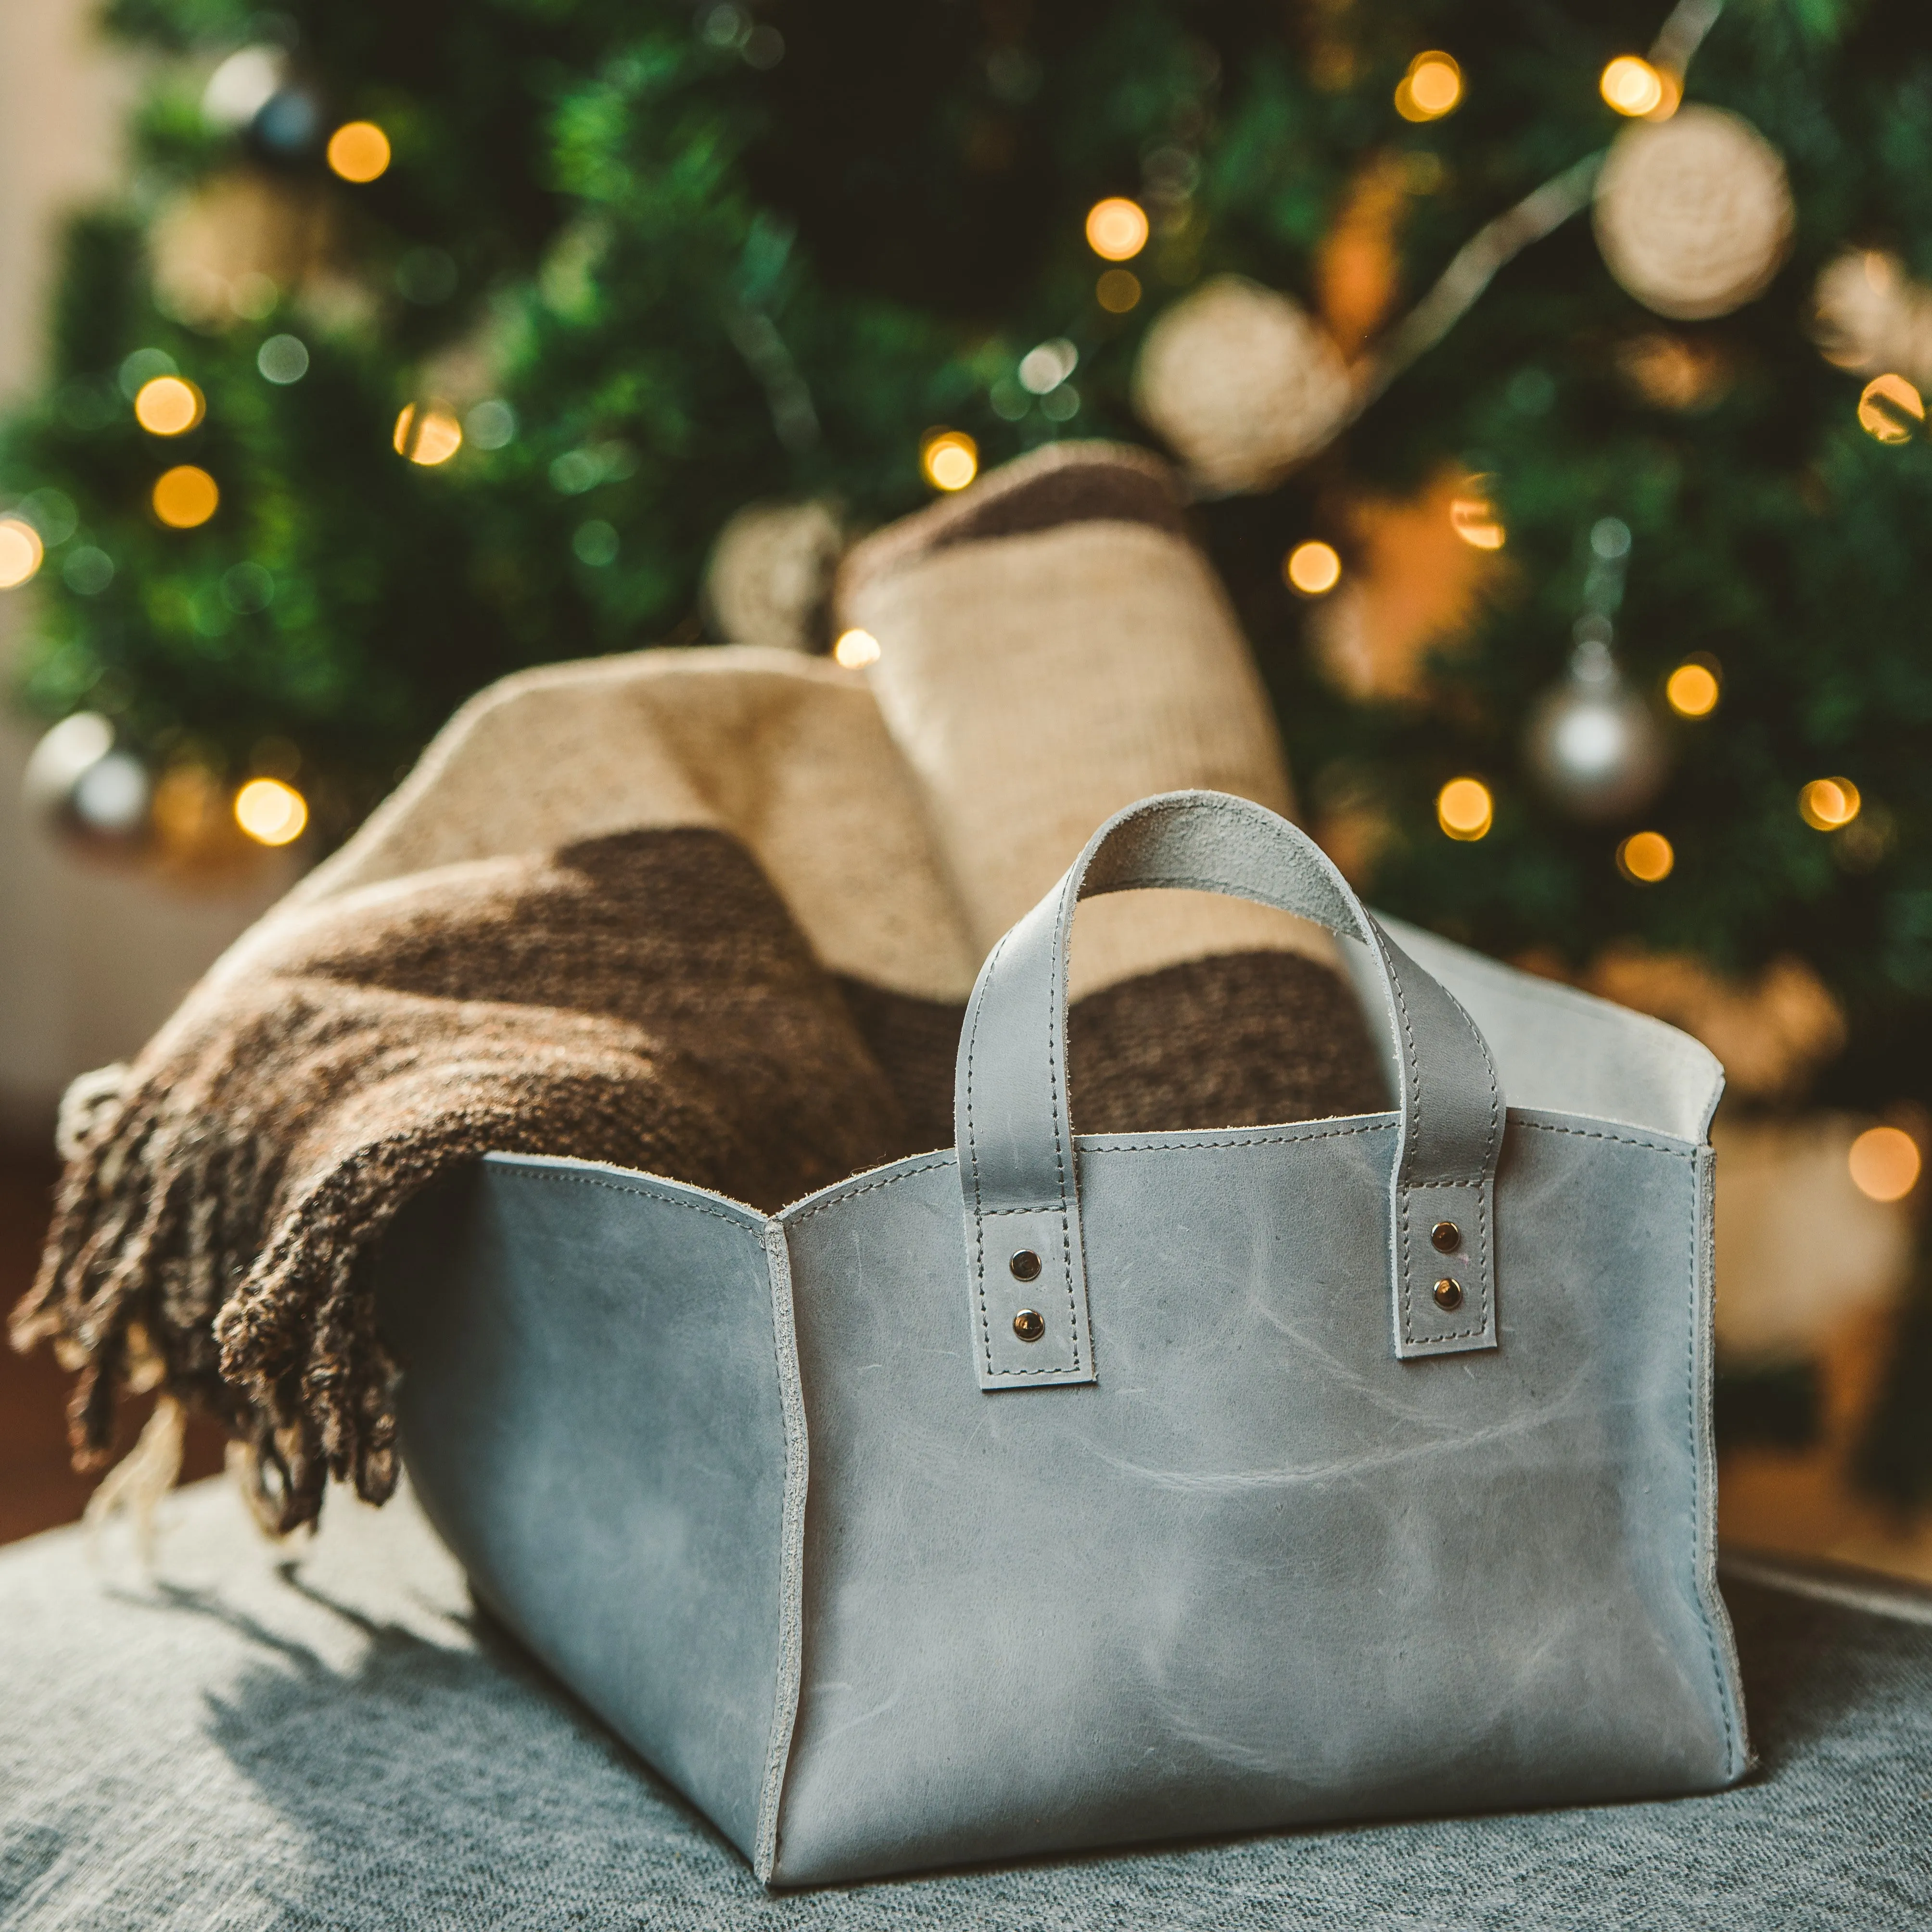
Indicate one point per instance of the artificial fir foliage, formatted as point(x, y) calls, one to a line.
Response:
point(692, 260)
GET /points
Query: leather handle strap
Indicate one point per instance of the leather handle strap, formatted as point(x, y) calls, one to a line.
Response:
point(1013, 1120)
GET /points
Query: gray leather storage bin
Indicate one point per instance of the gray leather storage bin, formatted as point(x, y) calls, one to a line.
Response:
point(1259, 1528)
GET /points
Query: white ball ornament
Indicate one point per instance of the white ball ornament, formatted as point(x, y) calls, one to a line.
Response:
point(1241, 383)
point(1694, 214)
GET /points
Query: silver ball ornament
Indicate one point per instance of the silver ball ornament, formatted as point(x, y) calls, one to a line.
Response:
point(87, 791)
point(1593, 743)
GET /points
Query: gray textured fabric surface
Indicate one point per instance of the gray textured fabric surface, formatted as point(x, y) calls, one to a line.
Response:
point(323, 1735)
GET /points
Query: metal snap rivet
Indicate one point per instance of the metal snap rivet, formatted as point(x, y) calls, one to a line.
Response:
point(1025, 1265)
point(1446, 1238)
point(1449, 1294)
point(1029, 1324)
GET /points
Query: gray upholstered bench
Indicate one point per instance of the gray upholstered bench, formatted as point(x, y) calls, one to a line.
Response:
point(324, 1735)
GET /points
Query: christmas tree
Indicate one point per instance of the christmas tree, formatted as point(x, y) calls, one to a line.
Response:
point(1550, 384)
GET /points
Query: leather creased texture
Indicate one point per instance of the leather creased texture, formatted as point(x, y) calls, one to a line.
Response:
point(738, 1479)
point(598, 1415)
point(1263, 1572)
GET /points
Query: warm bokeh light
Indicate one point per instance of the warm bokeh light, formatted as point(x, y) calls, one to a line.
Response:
point(1314, 568)
point(1473, 517)
point(169, 406)
point(856, 650)
point(358, 151)
point(1646, 857)
point(1633, 86)
point(1117, 229)
point(1826, 804)
point(1891, 409)
point(1884, 1163)
point(1431, 89)
point(1118, 290)
point(950, 459)
point(270, 812)
point(185, 497)
point(20, 551)
point(1692, 690)
point(428, 436)
point(1464, 808)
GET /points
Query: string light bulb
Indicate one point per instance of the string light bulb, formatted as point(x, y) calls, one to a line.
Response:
point(1692, 690)
point(1432, 88)
point(856, 650)
point(21, 551)
point(358, 151)
point(1891, 409)
point(1884, 1163)
point(270, 811)
point(1633, 86)
point(1117, 229)
point(1472, 516)
point(1645, 858)
point(1826, 804)
point(1465, 809)
point(1313, 569)
point(185, 496)
point(1118, 290)
point(169, 406)
point(428, 436)
point(950, 459)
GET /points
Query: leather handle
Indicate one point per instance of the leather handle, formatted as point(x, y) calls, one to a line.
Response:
point(1013, 1121)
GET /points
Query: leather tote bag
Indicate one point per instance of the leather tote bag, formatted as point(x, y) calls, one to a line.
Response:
point(1050, 1491)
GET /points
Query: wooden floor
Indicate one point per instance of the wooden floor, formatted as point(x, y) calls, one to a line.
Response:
point(38, 1486)
point(1799, 1503)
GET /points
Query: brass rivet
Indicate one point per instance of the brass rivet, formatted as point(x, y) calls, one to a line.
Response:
point(1446, 1238)
point(1029, 1324)
point(1025, 1265)
point(1449, 1294)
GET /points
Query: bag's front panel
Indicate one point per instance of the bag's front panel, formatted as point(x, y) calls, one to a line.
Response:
point(1262, 1572)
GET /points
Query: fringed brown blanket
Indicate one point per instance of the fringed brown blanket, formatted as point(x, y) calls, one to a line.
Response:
point(643, 999)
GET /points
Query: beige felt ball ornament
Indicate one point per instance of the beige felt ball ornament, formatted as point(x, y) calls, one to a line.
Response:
point(1241, 383)
point(1694, 214)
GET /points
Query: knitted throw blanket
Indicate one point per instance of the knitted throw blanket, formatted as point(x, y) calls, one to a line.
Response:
point(643, 999)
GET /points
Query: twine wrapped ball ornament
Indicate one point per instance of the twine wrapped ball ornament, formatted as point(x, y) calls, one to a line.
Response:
point(770, 574)
point(1694, 214)
point(1241, 383)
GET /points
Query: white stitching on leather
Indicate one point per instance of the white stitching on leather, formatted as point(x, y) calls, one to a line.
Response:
point(973, 1164)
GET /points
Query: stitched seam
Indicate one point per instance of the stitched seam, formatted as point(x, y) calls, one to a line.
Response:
point(1486, 1268)
point(1697, 1487)
point(1622, 1140)
point(1412, 1087)
point(972, 1163)
point(870, 1187)
point(1056, 1044)
point(791, 1560)
point(648, 1193)
point(1252, 1140)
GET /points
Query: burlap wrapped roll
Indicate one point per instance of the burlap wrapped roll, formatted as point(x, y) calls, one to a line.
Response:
point(1053, 647)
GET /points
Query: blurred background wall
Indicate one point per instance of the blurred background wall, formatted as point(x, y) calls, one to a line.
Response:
point(92, 959)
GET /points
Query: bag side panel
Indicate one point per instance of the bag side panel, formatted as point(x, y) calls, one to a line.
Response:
point(1262, 1573)
point(592, 1414)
